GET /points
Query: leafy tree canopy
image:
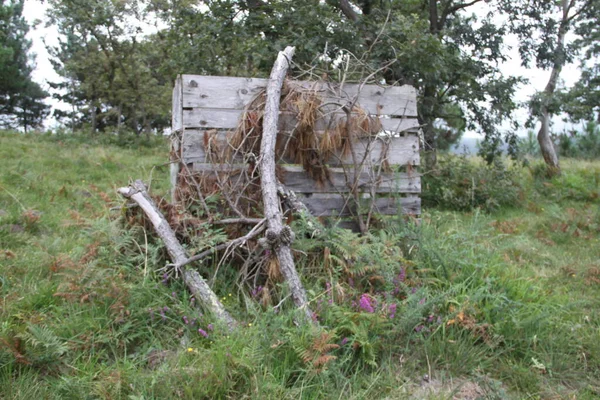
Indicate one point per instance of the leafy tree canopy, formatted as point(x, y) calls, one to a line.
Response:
point(21, 99)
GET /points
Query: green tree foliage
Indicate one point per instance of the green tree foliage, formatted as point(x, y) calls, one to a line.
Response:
point(582, 101)
point(112, 73)
point(116, 74)
point(584, 143)
point(543, 28)
point(21, 99)
point(446, 53)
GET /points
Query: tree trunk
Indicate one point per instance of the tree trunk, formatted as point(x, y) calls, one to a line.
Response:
point(546, 145)
point(119, 114)
point(427, 112)
point(278, 237)
point(192, 279)
point(25, 119)
point(94, 123)
point(433, 17)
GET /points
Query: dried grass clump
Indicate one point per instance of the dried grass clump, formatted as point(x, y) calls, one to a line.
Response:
point(312, 131)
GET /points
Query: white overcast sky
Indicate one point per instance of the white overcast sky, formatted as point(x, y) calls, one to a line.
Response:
point(35, 10)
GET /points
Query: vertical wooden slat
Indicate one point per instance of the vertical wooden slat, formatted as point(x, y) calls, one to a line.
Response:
point(177, 116)
point(176, 135)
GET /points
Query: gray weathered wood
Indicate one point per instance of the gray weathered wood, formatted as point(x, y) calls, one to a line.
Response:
point(217, 104)
point(401, 150)
point(235, 93)
point(174, 157)
point(195, 283)
point(326, 205)
point(176, 134)
point(210, 118)
point(274, 236)
point(177, 115)
point(295, 178)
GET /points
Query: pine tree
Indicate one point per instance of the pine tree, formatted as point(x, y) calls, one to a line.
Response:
point(21, 99)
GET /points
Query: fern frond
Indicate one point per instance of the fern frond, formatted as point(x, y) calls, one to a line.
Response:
point(41, 336)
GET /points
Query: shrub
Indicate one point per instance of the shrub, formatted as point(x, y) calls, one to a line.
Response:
point(581, 144)
point(461, 183)
point(126, 139)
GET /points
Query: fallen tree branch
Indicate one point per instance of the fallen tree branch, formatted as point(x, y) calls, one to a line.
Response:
point(227, 245)
point(192, 279)
point(278, 237)
point(288, 197)
point(242, 221)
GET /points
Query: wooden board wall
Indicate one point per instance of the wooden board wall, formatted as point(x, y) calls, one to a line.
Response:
point(205, 105)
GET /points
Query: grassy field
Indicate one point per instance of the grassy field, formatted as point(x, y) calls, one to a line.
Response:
point(471, 304)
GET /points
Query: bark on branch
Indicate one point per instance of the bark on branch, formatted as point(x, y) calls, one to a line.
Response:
point(192, 279)
point(348, 11)
point(278, 237)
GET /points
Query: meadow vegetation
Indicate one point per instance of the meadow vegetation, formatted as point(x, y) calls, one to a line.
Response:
point(494, 295)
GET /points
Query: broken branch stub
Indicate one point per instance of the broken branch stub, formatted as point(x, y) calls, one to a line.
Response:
point(278, 237)
point(192, 279)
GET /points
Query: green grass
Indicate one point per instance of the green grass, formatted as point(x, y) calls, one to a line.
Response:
point(505, 302)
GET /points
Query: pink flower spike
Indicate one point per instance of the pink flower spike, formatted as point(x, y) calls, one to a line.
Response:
point(365, 303)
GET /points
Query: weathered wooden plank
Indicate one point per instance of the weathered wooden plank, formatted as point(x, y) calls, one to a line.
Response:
point(211, 118)
point(177, 116)
point(326, 205)
point(295, 178)
point(401, 150)
point(176, 132)
point(235, 93)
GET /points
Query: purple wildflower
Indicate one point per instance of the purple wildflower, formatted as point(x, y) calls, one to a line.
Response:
point(192, 301)
point(165, 279)
point(344, 341)
point(430, 319)
point(174, 294)
point(402, 275)
point(202, 332)
point(165, 308)
point(185, 320)
point(365, 303)
point(256, 291)
point(419, 328)
point(422, 301)
point(392, 310)
point(319, 304)
point(210, 327)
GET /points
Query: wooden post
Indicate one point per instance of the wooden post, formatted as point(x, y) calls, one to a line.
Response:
point(195, 283)
point(278, 237)
point(176, 136)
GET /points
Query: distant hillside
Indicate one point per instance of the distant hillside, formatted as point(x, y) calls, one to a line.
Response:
point(469, 145)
